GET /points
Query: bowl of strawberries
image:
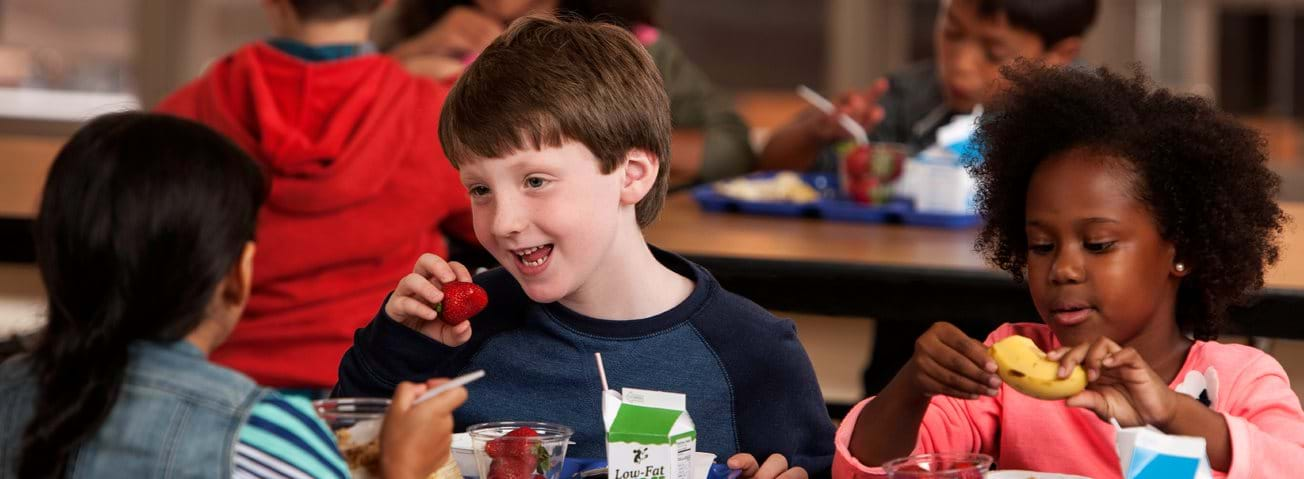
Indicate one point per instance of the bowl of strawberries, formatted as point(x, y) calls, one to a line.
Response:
point(519, 449)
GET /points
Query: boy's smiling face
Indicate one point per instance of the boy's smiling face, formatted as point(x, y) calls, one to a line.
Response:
point(549, 216)
point(1097, 264)
point(971, 49)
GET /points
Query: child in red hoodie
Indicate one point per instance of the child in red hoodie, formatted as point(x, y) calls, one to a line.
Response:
point(360, 184)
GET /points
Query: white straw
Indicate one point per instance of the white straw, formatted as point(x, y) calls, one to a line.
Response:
point(823, 104)
point(602, 373)
point(456, 382)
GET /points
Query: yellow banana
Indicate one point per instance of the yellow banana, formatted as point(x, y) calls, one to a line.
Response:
point(1024, 366)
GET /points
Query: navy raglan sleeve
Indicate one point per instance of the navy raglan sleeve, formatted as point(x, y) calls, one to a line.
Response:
point(779, 407)
point(386, 352)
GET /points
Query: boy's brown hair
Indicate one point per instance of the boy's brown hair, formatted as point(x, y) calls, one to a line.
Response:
point(546, 81)
point(327, 10)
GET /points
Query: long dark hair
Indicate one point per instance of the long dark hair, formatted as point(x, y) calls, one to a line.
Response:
point(414, 16)
point(142, 217)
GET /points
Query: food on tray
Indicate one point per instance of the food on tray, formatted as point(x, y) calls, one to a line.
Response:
point(1024, 366)
point(785, 186)
point(360, 446)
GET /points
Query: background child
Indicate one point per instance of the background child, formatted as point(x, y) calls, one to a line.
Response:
point(1136, 217)
point(561, 133)
point(145, 244)
point(710, 140)
point(360, 184)
point(972, 39)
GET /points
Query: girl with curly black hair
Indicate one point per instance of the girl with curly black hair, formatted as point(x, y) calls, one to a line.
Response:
point(1136, 217)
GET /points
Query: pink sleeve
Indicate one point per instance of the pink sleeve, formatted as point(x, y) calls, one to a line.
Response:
point(949, 425)
point(1265, 421)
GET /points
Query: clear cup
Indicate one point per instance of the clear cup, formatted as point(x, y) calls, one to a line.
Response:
point(356, 424)
point(552, 441)
point(869, 174)
point(942, 465)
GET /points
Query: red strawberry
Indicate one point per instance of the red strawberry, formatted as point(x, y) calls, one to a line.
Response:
point(523, 432)
point(860, 190)
point(858, 161)
point(507, 447)
point(516, 443)
point(462, 300)
point(512, 468)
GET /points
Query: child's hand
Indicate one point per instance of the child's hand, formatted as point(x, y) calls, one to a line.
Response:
point(462, 31)
point(948, 362)
point(776, 467)
point(413, 302)
point(415, 440)
point(861, 106)
point(1120, 384)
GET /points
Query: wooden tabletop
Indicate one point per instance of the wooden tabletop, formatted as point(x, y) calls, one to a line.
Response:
point(24, 161)
point(686, 229)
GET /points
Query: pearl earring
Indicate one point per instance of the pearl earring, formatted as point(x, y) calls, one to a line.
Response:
point(1180, 267)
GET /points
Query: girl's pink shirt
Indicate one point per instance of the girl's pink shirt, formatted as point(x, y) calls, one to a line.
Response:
point(1245, 385)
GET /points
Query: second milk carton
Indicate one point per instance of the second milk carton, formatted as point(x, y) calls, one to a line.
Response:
point(649, 435)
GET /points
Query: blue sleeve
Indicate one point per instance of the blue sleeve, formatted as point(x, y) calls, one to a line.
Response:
point(779, 406)
point(284, 438)
point(385, 353)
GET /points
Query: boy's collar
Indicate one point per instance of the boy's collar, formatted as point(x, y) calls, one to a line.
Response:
point(320, 53)
point(704, 286)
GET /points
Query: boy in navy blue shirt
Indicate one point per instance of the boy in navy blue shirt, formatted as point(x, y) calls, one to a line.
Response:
point(561, 133)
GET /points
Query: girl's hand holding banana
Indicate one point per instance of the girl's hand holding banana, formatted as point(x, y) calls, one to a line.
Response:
point(1121, 384)
point(1024, 366)
point(950, 363)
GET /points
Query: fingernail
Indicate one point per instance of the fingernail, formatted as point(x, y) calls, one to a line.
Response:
point(990, 366)
point(1092, 375)
point(1108, 361)
point(1063, 371)
point(994, 381)
point(992, 392)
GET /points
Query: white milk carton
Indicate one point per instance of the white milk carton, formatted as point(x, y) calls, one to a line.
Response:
point(649, 435)
point(1146, 453)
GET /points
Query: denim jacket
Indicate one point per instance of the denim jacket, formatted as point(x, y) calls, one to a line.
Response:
point(177, 415)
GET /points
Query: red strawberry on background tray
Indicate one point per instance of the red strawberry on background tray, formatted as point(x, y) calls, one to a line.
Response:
point(518, 454)
point(462, 300)
point(858, 161)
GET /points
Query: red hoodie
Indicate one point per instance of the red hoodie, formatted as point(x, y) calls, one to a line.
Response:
point(360, 188)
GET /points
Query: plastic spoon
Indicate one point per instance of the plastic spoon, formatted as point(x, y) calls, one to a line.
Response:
point(823, 104)
point(455, 383)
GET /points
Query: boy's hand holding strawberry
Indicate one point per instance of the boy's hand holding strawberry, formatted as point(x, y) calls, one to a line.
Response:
point(436, 299)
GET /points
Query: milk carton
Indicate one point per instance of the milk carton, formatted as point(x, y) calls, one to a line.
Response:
point(1146, 453)
point(649, 435)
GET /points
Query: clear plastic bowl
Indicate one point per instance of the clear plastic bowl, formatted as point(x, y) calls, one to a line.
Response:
point(553, 439)
point(948, 465)
point(341, 415)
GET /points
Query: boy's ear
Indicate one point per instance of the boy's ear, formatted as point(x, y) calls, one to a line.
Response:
point(640, 174)
point(1063, 52)
point(282, 17)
